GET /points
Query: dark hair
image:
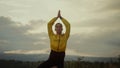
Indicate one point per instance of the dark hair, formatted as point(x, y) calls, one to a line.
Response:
point(58, 23)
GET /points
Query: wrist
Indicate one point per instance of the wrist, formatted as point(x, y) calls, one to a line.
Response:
point(60, 17)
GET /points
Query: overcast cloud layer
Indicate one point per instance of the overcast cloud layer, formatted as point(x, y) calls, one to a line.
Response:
point(95, 25)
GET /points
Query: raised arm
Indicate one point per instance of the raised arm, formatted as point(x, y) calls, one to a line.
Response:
point(66, 23)
point(50, 24)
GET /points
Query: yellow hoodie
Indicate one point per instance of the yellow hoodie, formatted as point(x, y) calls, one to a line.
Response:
point(58, 42)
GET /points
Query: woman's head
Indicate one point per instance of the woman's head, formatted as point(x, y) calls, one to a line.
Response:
point(58, 28)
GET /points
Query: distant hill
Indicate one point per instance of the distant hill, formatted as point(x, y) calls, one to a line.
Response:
point(42, 57)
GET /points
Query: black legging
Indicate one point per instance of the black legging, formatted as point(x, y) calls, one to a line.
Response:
point(55, 59)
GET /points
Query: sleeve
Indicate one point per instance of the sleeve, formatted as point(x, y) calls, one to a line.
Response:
point(50, 24)
point(67, 25)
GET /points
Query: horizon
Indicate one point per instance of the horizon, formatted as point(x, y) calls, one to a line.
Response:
point(43, 57)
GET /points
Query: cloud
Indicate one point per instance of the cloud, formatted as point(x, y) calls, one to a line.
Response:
point(76, 53)
point(45, 51)
point(112, 5)
point(37, 26)
point(100, 42)
point(15, 33)
point(99, 32)
point(3, 42)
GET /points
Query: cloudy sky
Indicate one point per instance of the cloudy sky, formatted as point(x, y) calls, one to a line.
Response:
point(95, 26)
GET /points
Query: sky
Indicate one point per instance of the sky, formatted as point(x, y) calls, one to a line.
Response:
point(95, 26)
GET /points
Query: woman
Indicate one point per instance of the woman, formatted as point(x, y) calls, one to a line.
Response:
point(58, 43)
